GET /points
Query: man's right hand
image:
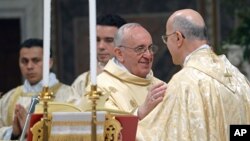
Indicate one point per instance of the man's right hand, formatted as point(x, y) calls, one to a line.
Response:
point(154, 97)
point(17, 130)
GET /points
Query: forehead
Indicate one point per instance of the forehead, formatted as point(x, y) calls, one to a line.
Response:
point(104, 30)
point(138, 35)
point(33, 52)
point(169, 26)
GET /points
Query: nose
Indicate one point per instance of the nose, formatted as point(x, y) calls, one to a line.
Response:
point(30, 65)
point(147, 54)
point(101, 44)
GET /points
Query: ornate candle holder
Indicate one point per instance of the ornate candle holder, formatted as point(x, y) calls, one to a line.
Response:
point(94, 95)
point(46, 96)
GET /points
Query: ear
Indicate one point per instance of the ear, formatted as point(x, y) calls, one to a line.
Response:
point(51, 61)
point(180, 38)
point(118, 54)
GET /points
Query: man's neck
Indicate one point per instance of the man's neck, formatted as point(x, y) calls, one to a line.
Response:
point(38, 86)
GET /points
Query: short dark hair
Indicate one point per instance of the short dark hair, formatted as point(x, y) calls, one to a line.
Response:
point(29, 43)
point(111, 20)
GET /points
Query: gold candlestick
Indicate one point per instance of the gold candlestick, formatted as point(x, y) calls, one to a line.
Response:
point(45, 96)
point(94, 96)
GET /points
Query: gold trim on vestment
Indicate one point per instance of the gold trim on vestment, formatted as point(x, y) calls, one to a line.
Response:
point(12, 104)
point(75, 137)
point(87, 82)
point(146, 83)
point(74, 123)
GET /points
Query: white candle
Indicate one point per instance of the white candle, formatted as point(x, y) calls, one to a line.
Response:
point(92, 34)
point(46, 41)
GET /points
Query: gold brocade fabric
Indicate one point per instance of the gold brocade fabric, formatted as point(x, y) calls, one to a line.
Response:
point(127, 91)
point(81, 82)
point(202, 100)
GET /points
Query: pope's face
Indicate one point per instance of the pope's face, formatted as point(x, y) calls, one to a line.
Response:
point(105, 42)
point(31, 64)
point(137, 64)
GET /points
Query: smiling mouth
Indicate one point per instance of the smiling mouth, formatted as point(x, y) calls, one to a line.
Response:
point(144, 62)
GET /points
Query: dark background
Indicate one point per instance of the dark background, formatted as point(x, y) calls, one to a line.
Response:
point(70, 41)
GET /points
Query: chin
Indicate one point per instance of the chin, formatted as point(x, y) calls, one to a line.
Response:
point(33, 82)
point(103, 60)
point(144, 75)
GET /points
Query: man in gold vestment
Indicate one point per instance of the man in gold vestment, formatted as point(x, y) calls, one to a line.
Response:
point(15, 103)
point(128, 76)
point(206, 96)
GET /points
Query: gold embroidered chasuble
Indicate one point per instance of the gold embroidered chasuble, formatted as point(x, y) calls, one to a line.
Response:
point(127, 91)
point(81, 82)
point(201, 101)
point(63, 93)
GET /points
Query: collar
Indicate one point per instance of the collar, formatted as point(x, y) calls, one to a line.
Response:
point(39, 86)
point(199, 48)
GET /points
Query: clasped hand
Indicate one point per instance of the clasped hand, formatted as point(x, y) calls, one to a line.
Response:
point(19, 120)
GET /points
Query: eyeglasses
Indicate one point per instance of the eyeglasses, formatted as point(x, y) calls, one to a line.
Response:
point(165, 37)
point(142, 49)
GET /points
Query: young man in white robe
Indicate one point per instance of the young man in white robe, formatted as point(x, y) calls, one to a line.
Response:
point(15, 103)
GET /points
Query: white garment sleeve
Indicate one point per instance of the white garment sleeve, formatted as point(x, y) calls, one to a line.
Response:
point(5, 133)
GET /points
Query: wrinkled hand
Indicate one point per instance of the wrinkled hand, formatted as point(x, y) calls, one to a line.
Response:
point(19, 119)
point(154, 97)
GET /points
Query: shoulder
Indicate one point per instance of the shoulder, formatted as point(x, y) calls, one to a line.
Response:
point(64, 86)
point(5, 97)
point(81, 77)
point(10, 92)
point(103, 74)
point(64, 90)
point(185, 77)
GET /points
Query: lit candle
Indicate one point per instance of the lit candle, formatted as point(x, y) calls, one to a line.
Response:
point(92, 34)
point(46, 41)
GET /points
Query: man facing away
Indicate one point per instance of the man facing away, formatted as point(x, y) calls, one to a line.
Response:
point(107, 26)
point(128, 78)
point(15, 103)
point(206, 96)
